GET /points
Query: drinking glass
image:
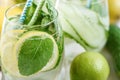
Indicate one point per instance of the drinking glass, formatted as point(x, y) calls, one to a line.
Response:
point(22, 61)
point(81, 20)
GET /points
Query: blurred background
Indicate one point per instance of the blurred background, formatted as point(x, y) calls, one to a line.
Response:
point(114, 18)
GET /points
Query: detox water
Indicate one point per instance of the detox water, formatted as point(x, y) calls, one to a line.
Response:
point(31, 52)
point(86, 25)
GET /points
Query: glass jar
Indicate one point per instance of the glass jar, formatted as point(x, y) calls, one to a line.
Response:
point(41, 52)
point(86, 25)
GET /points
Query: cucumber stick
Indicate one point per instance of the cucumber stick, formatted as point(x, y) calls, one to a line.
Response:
point(83, 25)
point(113, 45)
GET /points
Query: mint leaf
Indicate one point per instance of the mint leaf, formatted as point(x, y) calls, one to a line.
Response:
point(34, 54)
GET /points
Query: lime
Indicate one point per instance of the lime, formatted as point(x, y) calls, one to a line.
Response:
point(10, 36)
point(33, 52)
point(8, 58)
point(89, 66)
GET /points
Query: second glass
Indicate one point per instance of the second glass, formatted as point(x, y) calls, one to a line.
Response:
point(86, 24)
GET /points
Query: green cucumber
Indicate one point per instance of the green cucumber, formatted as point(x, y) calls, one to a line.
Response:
point(84, 26)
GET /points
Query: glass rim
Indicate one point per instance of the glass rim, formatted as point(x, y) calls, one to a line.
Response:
point(19, 4)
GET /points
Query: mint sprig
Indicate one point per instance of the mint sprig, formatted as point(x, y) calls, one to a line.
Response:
point(36, 13)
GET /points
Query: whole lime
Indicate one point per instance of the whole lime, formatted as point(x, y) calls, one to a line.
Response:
point(89, 66)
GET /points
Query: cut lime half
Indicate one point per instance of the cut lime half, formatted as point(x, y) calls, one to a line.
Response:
point(35, 52)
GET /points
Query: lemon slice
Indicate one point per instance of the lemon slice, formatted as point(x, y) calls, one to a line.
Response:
point(9, 36)
point(34, 52)
point(8, 58)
